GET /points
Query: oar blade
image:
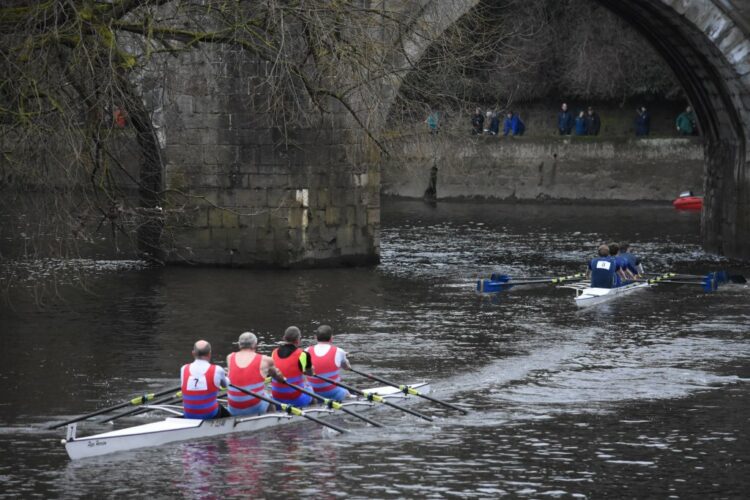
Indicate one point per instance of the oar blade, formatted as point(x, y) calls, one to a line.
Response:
point(489, 286)
point(408, 390)
point(499, 277)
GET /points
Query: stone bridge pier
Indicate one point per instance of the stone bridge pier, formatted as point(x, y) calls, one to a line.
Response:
point(249, 193)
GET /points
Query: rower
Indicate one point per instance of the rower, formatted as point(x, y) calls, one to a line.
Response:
point(635, 262)
point(602, 269)
point(293, 363)
point(248, 370)
point(328, 361)
point(201, 381)
point(625, 272)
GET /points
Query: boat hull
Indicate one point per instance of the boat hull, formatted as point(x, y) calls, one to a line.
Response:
point(175, 429)
point(586, 297)
point(688, 203)
point(589, 296)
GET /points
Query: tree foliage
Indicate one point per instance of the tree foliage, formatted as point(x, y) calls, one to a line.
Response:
point(72, 69)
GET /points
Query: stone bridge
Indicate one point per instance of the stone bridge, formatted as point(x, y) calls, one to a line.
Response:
point(310, 196)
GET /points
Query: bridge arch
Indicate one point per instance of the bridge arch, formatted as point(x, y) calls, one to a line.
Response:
point(707, 45)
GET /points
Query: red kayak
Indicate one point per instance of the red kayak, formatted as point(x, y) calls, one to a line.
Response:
point(688, 203)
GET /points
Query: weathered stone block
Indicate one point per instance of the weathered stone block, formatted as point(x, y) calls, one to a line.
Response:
point(215, 217)
point(351, 215)
point(322, 198)
point(278, 198)
point(258, 219)
point(251, 198)
point(220, 155)
point(345, 236)
point(332, 216)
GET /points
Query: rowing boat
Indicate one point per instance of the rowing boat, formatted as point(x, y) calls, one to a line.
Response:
point(586, 295)
point(174, 429)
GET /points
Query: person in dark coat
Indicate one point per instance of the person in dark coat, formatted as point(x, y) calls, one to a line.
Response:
point(581, 124)
point(477, 122)
point(564, 120)
point(593, 122)
point(495, 123)
point(642, 122)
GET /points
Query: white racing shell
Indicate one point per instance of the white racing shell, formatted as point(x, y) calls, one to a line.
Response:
point(588, 296)
point(175, 429)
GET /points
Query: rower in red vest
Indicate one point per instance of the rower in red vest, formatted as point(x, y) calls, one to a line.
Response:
point(201, 382)
point(248, 370)
point(328, 361)
point(293, 363)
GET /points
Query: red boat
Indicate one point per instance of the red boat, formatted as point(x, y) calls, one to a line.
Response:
point(687, 201)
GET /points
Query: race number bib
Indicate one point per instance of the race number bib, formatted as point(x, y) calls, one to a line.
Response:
point(197, 382)
point(603, 264)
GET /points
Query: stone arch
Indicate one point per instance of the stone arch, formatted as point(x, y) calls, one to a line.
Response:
point(707, 44)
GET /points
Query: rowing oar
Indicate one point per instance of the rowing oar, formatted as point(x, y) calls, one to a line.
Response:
point(708, 282)
point(287, 408)
point(409, 390)
point(499, 283)
point(375, 397)
point(174, 398)
point(504, 278)
point(135, 402)
point(721, 277)
point(334, 405)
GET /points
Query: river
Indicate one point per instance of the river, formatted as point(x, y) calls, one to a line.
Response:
point(647, 396)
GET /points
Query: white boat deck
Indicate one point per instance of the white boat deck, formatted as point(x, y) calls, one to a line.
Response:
point(587, 295)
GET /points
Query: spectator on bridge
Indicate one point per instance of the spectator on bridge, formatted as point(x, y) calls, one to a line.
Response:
point(513, 124)
point(642, 122)
point(686, 122)
point(432, 122)
point(495, 123)
point(593, 122)
point(487, 121)
point(581, 124)
point(477, 122)
point(564, 120)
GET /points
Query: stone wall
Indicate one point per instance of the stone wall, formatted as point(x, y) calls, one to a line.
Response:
point(524, 168)
point(246, 192)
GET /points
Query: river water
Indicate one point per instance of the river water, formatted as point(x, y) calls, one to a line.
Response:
point(644, 397)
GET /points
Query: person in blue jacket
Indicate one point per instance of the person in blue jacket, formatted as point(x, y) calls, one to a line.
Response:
point(581, 124)
point(633, 260)
point(513, 124)
point(625, 271)
point(603, 269)
point(564, 120)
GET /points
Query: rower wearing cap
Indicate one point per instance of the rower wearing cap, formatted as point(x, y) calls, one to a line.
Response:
point(201, 381)
point(602, 269)
point(248, 370)
point(293, 363)
point(328, 361)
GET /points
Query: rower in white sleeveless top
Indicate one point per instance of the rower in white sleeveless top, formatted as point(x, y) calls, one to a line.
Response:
point(327, 361)
point(201, 382)
point(248, 370)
